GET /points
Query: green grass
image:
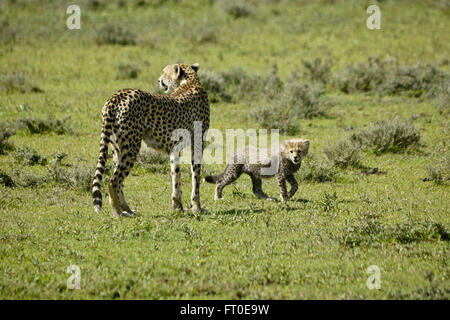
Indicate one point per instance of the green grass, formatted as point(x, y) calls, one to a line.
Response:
point(317, 246)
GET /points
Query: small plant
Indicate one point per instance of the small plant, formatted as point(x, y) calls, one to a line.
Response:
point(298, 100)
point(329, 201)
point(51, 124)
point(414, 81)
point(343, 154)
point(29, 156)
point(442, 97)
point(439, 170)
point(389, 78)
point(362, 77)
point(214, 84)
point(112, 33)
point(6, 180)
point(81, 177)
point(16, 82)
point(237, 10)
point(243, 86)
point(30, 180)
point(202, 32)
point(318, 70)
point(153, 160)
point(315, 170)
point(7, 33)
point(127, 71)
point(387, 136)
point(303, 99)
point(370, 231)
point(6, 131)
point(78, 177)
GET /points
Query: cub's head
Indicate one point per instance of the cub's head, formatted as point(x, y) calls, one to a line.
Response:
point(295, 150)
point(174, 75)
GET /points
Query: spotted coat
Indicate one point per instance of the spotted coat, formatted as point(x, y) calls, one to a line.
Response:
point(289, 161)
point(131, 116)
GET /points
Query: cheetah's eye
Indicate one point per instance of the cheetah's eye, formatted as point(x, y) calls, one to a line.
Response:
point(299, 150)
point(292, 151)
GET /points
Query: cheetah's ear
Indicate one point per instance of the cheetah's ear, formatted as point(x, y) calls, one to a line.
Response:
point(305, 148)
point(177, 70)
point(195, 67)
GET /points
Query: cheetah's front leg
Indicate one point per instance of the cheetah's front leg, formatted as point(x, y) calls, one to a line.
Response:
point(283, 191)
point(294, 185)
point(195, 196)
point(176, 182)
point(196, 167)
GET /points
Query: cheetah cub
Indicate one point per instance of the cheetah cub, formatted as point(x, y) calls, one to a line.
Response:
point(289, 160)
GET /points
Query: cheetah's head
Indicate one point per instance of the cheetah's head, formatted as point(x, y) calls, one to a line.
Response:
point(174, 75)
point(295, 150)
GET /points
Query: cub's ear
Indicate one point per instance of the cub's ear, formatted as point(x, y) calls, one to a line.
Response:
point(283, 145)
point(305, 148)
point(195, 67)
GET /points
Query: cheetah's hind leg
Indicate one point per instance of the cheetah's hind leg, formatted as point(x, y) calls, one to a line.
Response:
point(123, 163)
point(176, 182)
point(231, 173)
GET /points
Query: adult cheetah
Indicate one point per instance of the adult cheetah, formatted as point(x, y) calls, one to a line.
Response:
point(132, 115)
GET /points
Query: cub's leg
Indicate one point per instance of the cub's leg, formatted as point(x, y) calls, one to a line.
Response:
point(231, 173)
point(257, 187)
point(283, 191)
point(294, 185)
point(176, 181)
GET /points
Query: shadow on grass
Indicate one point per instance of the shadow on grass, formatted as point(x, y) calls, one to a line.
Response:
point(239, 211)
point(300, 200)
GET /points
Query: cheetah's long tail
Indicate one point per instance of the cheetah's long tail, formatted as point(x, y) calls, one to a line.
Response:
point(108, 116)
point(213, 179)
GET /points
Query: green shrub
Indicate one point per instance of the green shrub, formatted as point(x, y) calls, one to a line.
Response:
point(318, 70)
point(6, 180)
point(362, 77)
point(304, 99)
point(439, 170)
point(277, 117)
point(30, 179)
point(201, 32)
point(6, 131)
point(7, 33)
point(243, 86)
point(315, 170)
point(16, 82)
point(237, 10)
point(214, 84)
point(442, 97)
point(389, 78)
point(298, 100)
point(415, 81)
point(112, 33)
point(154, 160)
point(78, 177)
point(370, 231)
point(51, 124)
point(387, 136)
point(29, 156)
point(127, 70)
point(344, 154)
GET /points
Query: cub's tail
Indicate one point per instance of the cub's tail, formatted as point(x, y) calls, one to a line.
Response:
point(108, 114)
point(213, 179)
